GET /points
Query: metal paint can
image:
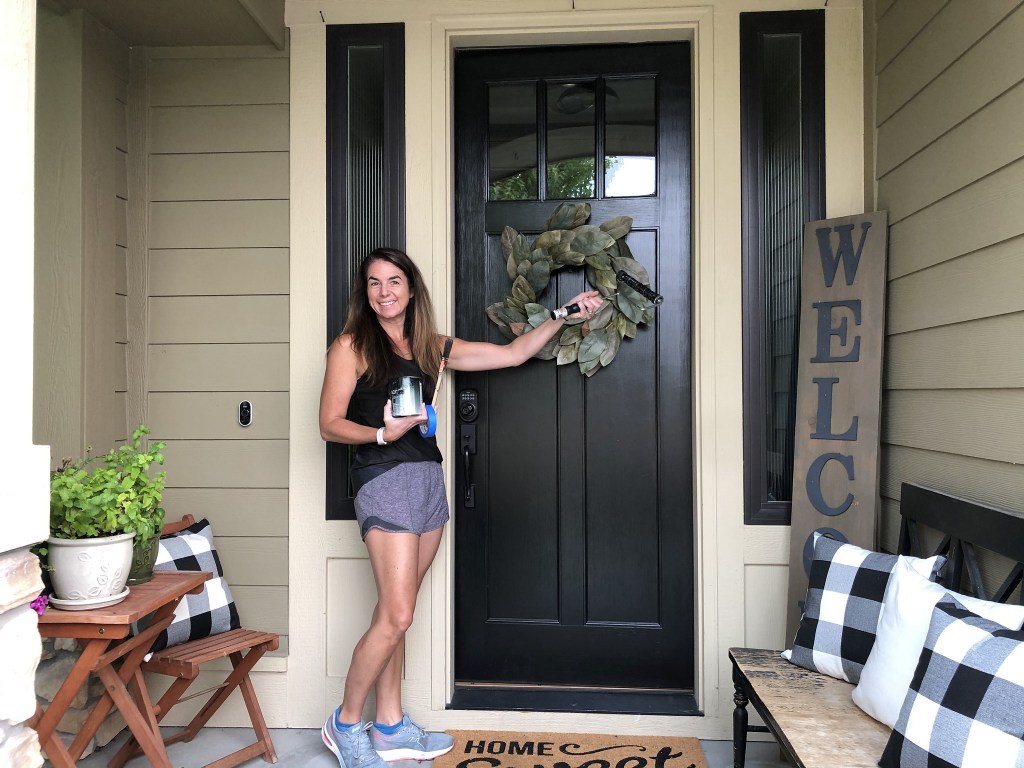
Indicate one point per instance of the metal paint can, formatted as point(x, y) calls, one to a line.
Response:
point(406, 396)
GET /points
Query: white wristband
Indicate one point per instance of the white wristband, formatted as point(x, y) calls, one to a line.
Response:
point(380, 437)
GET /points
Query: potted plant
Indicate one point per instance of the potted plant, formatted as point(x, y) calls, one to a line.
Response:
point(100, 503)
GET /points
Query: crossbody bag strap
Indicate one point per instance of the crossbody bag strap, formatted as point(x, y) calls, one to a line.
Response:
point(440, 371)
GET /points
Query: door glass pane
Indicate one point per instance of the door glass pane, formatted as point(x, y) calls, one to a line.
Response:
point(571, 142)
point(782, 215)
point(630, 161)
point(512, 141)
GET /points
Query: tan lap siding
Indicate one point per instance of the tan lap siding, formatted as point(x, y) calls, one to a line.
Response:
point(218, 309)
point(950, 92)
point(105, 234)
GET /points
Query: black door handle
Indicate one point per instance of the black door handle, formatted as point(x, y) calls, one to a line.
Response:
point(468, 437)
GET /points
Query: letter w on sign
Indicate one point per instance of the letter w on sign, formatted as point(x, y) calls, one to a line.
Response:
point(844, 251)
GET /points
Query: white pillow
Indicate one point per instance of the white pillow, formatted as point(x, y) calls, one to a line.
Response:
point(902, 629)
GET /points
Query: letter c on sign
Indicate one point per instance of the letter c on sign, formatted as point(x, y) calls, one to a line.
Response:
point(814, 483)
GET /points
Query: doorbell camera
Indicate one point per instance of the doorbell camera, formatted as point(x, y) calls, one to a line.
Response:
point(245, 413)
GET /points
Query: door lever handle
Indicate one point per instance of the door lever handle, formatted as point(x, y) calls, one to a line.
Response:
point(468, 434)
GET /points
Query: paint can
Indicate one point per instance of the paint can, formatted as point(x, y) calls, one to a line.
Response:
point(406, 396)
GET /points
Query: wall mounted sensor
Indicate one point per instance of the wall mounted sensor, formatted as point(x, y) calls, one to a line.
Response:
point(245, 413)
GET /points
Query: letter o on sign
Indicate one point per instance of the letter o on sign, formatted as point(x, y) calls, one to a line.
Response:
point(808, 554)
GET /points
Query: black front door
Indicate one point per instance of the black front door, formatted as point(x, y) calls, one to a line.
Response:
point(573, 515)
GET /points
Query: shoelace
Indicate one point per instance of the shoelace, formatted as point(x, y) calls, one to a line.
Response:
point(362, 745)
point(410, 732)
point(421, 735)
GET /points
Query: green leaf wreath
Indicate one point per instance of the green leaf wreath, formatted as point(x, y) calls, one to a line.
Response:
point(568, 241)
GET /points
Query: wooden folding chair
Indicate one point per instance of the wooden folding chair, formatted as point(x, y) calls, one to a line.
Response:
point(184, 662)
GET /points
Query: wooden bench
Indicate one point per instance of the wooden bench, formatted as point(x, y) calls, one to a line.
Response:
point(244, 647)
point(812, 716)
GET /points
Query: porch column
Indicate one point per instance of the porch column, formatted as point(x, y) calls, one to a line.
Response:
point(25, 509)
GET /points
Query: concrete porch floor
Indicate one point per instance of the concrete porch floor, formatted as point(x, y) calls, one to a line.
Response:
point(302, 748)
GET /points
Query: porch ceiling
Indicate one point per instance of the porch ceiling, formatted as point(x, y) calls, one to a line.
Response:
point(186, 22)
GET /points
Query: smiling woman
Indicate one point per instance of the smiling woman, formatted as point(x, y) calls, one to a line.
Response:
point(400, 502)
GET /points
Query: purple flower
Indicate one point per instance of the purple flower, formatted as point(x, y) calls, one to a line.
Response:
point(39, 604)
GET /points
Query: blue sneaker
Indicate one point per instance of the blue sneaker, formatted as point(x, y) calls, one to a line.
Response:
point(350, 745)
point(410, 742)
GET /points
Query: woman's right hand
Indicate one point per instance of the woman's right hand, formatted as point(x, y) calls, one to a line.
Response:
point(396, 426)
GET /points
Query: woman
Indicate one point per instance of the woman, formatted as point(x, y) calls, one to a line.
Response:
point(401, 504)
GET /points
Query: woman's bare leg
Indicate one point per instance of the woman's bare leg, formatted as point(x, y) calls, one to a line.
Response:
point(394, 558)
point(389, 683)
point(399, 561)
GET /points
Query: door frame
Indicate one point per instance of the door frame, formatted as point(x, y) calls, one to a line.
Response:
point(717, 428)
point(464, 32)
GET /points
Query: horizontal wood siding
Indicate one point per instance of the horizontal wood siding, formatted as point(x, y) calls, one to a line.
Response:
point(214, 415)
point(239, 511)
point(219, 224)
point(971, 150)
point(218, 319)
point(205, 271)
point(262, 128)
point(222, 176)
point(988, 482)
point(217, 309)
point(981, 214)
point(983, 423)
point(254, 561)
point(985, 71)
point(902, 22)
point(990, 355)
point(986, 283)
point(949, 96)
point(919, 39)
point(218, 367)
point(218, 82)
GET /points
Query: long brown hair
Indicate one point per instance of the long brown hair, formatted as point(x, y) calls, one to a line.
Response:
point(369, 339)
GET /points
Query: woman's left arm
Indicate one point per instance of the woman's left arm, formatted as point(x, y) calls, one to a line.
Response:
point(484, 356)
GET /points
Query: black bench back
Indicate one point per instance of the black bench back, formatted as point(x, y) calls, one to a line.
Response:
point(965, 525)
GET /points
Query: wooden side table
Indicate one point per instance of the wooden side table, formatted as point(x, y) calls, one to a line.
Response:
point(109, 650)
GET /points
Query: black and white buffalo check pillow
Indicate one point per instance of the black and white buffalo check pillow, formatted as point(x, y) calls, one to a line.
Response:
point(965, 706)
point(210, 612)
point(844, 600)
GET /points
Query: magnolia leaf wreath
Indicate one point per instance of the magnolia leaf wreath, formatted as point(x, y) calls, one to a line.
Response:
point(568, 241)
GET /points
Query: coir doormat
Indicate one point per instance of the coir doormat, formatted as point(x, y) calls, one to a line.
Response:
point(516, 749)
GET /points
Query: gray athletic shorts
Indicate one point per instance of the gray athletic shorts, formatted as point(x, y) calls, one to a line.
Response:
point(410, 498)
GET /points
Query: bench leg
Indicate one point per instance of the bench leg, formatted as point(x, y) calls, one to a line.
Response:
point(739, 724)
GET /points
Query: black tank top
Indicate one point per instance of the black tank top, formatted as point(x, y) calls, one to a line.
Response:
point(367, 407)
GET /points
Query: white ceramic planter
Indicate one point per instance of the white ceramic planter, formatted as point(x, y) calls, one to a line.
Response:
point(90, 569)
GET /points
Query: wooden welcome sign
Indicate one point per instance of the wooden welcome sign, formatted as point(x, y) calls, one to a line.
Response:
point(838, 396)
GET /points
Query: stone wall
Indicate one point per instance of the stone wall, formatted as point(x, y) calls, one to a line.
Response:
point(20, 647)
point(34, 666)
point(58, 656)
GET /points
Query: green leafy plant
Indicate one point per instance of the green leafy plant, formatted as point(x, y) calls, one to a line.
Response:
point(116, 493)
